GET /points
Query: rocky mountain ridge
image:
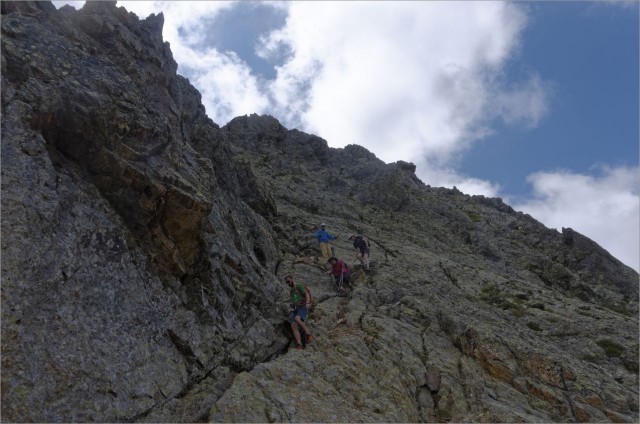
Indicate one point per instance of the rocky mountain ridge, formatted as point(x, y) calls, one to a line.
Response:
point(144, 248)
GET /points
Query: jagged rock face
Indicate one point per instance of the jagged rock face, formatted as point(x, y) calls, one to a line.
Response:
point(131, 268)
point(515, 322)
point(143, 248)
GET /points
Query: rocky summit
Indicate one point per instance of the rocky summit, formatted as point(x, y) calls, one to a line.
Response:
point(144, 250)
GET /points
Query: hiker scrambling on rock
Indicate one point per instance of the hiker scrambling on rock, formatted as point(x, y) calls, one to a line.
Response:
point(339, 272)
point(324, 238)
point(300, 302)
point(361, 244)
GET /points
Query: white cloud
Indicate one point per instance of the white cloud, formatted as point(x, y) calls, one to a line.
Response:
point(404, 79)
point(439, 176)
point(408, 80)
point(525, 104)
point(605, 208)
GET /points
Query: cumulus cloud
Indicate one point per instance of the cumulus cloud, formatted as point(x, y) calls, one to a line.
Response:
point(604, 207)
point(415, 81)
point(407, 80)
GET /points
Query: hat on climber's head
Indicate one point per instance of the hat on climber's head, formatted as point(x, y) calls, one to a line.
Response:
point(323, 225)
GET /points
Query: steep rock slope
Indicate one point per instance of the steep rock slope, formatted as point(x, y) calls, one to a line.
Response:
point(144, 247)
point(473, 312)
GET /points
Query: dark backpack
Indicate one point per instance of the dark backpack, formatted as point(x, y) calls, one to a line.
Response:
point(358, 241)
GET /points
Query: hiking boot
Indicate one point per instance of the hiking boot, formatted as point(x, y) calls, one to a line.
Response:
point(299, 347)
point(310, 338)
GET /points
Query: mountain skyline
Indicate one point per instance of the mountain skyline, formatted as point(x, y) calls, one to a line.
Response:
point(533, 102)
point(146, 248)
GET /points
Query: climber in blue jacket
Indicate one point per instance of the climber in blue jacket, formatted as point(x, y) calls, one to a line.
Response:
point(324, 238)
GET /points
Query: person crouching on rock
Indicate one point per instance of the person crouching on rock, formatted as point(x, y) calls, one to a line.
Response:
point(300, 302)
point(339, 272)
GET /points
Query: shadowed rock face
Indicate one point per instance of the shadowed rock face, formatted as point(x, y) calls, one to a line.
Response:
point(131, 267)
point(143, 248)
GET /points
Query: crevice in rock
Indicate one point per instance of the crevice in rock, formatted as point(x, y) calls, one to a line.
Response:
point(449, 275)
point(571, 407)
point(418, 402)
point(393, 253)
point(424, 355)
point(185, 350)
point(141, 416)
point(567, 396)
point(204, 418)
point(436, 407)
point(277, 353)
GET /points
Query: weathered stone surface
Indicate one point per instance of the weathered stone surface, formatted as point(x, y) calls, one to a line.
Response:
point(143, 248)
point(501, 307)
point(131, 270)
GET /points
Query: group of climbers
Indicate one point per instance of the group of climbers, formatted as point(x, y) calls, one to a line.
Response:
point(360, 243)
point(340, 274)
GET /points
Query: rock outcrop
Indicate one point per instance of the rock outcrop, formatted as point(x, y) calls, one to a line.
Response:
point(143, 249)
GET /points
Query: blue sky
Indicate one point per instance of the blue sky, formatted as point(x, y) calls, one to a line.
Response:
point(250, 20)
point(590, 53)
point(534, 102)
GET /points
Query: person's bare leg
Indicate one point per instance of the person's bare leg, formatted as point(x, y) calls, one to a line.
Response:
point(296, 332)
point(304, 327)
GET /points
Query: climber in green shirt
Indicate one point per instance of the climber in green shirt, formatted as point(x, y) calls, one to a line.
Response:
point(300, 302)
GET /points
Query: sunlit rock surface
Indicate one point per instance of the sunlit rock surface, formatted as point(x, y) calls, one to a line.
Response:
point(143, 249)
